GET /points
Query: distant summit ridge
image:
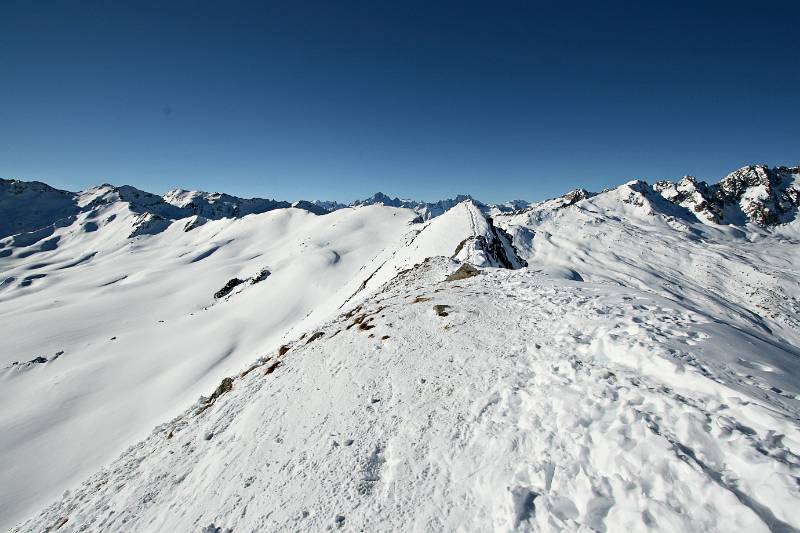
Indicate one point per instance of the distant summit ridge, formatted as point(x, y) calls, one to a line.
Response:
point(756, 194)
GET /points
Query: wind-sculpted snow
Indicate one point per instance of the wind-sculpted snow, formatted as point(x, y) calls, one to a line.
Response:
point(532, 403)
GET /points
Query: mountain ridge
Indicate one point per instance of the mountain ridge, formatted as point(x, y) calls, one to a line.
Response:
point(757, 194)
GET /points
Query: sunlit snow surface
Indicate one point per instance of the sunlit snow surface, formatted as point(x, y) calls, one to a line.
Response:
point(640, 374)
point(534, 403)
point(141, 333)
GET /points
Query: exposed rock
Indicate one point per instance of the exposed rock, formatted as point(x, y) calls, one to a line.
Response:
point(261, 276)
point(464, 271)
point(315, 336)
point(441, 309)
point(194, 222)
point(224, 291)
point(693, 195)
point(149, 224)
point(757, 194)
point(494, 248)
point(225, 386)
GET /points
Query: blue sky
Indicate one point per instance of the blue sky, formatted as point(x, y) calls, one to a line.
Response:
point(337, 100)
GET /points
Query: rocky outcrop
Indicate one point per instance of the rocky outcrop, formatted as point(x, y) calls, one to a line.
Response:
point(757, 194)
point(463, 272)
point(226, 290)
point(260, 276)
point(691, 194)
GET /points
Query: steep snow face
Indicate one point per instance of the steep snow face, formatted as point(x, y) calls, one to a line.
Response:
point(28, 206)
point(633, 236)
point(505, 401)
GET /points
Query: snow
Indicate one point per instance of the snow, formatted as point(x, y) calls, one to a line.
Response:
point(534, 404)
point(141, 333)
point(640, 373)
point(28, 206)
point(745, 276)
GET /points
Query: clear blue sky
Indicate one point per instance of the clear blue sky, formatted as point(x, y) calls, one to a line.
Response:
point(336, 100)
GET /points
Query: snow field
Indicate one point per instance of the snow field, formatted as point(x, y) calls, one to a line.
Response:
point(533, 404)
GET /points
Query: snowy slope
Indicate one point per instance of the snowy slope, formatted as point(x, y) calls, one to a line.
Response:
point(640, 373)
point(106, 335)
point(130, 331)
point(28, 206)
point(525, 403)
point(747, 275)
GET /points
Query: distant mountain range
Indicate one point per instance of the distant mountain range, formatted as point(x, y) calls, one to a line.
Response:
point(758, 194)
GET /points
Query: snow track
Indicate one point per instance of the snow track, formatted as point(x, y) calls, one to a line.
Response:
point(528, 404)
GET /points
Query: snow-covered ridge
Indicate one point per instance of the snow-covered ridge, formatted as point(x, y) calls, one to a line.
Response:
point(620, 324)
